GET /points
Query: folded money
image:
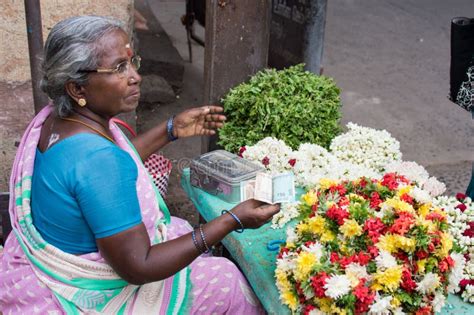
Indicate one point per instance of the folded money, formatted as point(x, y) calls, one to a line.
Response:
point(270, 188)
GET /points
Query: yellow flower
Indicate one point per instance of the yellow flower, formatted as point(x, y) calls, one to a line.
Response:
point(310, 198)
point(421, 265)
point(351, 228)
point(405, 243)
point(446, 245)
point(424, 209)
point(330, 203)
point(428, 224)
point(302, 228)
point(326, 183)
point(282, 280)
point(327, 236)
point(398, 205)
point(317, 224)
point(395, 302)
point(387, 242)
point(388, 280)
point(355, 197)
point(324, 304)
point(290, 299)
point(403, 190)
point(304, 265)
point(290, 245)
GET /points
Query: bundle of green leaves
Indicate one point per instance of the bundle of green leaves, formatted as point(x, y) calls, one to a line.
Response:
point(292, 105)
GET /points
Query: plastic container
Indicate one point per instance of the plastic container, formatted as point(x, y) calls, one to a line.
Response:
point(220, 173)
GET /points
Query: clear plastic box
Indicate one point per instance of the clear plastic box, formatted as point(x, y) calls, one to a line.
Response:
point(220, 173)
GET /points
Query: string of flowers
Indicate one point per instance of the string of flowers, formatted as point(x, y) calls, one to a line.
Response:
point(369, 245)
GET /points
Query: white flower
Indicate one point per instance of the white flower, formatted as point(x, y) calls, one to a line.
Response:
point(438, 302)
point(420, 195)
point(457, 272)
point(337, 286)
point(368, 147)
point(287, 212)
point(428, 284)
point(291, 236)
point(385, 260)
point(313, 163)
point(287, 262)
point(411, 170)
point(316, 312)
point(355, 272)
point(277, 152)
point(381, 305)
point(468, 294)
point(434, 186)
point(316, 249)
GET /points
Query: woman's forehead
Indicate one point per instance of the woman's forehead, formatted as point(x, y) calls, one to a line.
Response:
point(114, 46)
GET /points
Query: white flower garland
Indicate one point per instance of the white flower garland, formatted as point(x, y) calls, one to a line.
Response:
point(365, 146)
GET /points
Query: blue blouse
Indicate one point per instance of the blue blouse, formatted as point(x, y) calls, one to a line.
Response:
point(83, 188)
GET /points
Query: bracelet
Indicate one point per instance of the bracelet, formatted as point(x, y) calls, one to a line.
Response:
point(236, 219)
point(193, 235)
point(204, 240)
point(170, 128)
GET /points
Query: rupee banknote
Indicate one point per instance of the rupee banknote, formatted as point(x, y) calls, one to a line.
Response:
point(270, 188)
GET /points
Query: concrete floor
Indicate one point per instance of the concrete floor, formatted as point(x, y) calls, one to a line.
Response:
point(391, 60)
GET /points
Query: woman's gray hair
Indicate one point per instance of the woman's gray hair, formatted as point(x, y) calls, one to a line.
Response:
point(72, 45)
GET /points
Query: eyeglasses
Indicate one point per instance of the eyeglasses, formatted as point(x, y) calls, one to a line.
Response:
point(122, 69)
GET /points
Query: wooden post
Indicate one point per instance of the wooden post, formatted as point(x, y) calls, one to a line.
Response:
point(237, 37)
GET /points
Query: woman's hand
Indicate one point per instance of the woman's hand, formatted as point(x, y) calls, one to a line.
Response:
point(254, 213)
point(199, 121)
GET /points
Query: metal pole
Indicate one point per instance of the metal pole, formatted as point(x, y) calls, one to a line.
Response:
point(35, 46)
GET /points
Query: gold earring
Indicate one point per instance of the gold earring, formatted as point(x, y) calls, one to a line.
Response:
point(82, 102)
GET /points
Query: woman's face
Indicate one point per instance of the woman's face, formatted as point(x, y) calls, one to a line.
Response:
point(108, 94)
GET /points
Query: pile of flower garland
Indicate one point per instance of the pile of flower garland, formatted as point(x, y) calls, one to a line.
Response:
point(369, 245)
point(360, 152)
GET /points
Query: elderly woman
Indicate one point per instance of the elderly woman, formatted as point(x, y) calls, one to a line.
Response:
point(91, 233)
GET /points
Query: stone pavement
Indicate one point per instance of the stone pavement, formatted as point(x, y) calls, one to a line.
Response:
point(391, 60)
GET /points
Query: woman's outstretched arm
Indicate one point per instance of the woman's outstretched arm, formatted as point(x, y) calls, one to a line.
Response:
point(131, 255)
point(200, 121)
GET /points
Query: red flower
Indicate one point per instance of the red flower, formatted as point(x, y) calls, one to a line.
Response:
point(390, 181)
point(292, 162)
point(317, 282)
point(460, 196)
point(407, 198)
point(375, 200)
point(265, 161)
point(334, 257)
point(337, 214)
point(402, 224)
point(421, 254)
point(434, 216)
point(308, 308)
point(374, 227)
point(461, 207)
point(407, 282)
point(242, 150)
point(426, 310)
point(283, 250)
point(470, 231)
point(364, 296)
point(373, 251)
point(446, 264)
